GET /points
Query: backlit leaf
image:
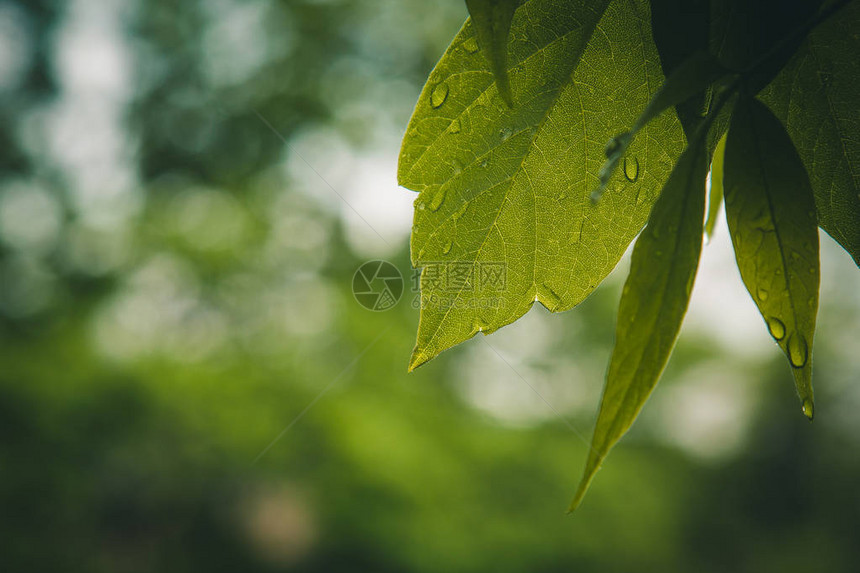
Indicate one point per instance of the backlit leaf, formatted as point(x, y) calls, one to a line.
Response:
point(509, 189)
point(771, 214)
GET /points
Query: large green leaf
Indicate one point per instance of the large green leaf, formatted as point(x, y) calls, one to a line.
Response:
point(509, 188)
point(817, 98)
point(492, 21)
point(653, 304)
point(771, 214)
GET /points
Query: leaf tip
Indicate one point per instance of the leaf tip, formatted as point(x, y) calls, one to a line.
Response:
point(417, 359)
point(580, 492)
point(808, 409)
point(504, 85)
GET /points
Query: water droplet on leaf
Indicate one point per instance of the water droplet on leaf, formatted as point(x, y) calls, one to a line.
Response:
point(471, 45)
point(438, 199)
point(798, 351)
point(761, 294)
point(455, 126)
point(505, 133)
point(447, 248)
point(776, 328)
point(808, 409)
point(631, 169)
point(439, 94)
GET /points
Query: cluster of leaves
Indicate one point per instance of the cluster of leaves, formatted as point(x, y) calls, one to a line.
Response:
point(508, 150)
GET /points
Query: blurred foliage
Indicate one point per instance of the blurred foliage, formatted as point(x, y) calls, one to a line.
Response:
point(173, 293)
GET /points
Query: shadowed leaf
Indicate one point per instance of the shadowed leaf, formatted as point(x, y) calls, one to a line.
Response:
point(817, 98)
point(492, 22)
point(771, 214)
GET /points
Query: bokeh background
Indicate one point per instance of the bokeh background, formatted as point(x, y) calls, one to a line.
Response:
point(187, 384)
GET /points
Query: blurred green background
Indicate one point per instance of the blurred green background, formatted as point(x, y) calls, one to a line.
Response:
point(186, 189)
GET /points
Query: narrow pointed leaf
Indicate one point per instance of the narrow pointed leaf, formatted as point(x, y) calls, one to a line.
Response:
point(771, 214)
point(817, 98)
point(693, 76)
point(653, 304)
point(503, 216)
point(715, 196)
point(492, 21)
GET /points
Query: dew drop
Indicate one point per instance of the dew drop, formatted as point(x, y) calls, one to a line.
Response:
point(455, 126)
point(460, 211)
point(420, 206)
point(485, 162)
point(439, 94)
point(631, 169)
point(447, 248)
point(438, 199)
point(798, 351)
point(761, 294)
point(807, 408)
point(458, 167)
point(479, 324)
point(776, 328)
point(471, 45)
point(505, 133)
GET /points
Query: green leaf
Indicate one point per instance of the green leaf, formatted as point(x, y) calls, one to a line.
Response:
point(716, 193)
point(817, 98)
point(771, 214)
point(691, 77)
point(492, 20)
point(653, 304)
point(509, 188)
